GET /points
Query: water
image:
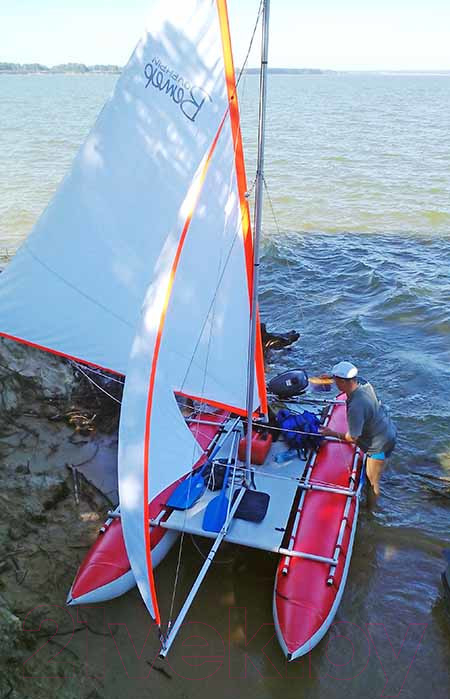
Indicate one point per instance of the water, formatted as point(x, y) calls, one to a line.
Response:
point(356, 253)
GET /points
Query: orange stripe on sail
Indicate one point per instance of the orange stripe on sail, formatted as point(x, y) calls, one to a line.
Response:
point(242, 186)
point(60, 354)
point(237, 138)
point(216, 404)
point(173, 271)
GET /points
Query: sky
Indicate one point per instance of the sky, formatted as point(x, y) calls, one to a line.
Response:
point(328, 34)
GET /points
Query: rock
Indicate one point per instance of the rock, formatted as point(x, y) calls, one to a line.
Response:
point(26, 369)
point(11, 629)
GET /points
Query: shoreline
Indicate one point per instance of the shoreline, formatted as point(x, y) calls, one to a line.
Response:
point(59, 478)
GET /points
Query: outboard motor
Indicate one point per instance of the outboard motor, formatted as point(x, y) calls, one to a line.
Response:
point(289, 383)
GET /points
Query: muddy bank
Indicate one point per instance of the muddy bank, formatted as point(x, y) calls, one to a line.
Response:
point(58, 449)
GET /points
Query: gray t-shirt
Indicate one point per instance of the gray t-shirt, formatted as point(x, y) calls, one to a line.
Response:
point(368, 421)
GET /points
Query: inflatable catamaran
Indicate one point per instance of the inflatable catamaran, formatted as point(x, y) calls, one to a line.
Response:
point(148, 243)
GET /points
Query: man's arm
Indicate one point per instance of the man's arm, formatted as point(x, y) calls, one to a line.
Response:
point(355, 419)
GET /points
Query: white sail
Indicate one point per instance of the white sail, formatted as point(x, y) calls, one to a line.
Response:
point(194, 331)
point(77, 283)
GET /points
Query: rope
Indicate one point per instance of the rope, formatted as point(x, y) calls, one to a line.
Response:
point(205, 556)
point(96, 385)
point(97, 371)
point(177, 574)
point(266, 189)
point(250, 190)
point(251, 42)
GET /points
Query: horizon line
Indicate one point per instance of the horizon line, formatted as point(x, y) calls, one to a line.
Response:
point(116, 66)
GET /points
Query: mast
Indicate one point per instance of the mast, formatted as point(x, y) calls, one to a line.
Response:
point(258, 221)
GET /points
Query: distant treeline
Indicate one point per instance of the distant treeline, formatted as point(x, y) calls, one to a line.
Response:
point(290, 71)
point(21, 68)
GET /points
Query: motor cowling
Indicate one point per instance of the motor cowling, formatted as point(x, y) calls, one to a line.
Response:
point(289, 383)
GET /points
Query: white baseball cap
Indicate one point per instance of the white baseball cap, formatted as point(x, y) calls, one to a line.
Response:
point(344, 370)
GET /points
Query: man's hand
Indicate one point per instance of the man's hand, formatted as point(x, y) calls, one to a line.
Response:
point(327, 432)
point(343, 436)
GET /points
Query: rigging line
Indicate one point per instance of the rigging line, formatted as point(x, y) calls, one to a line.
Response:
point(251, 42)
point(175, 585)
point(205, 556)
point(199, 433)
point(266, 187)
point(97, 386)
point(249, 192)
point(96, 371)
point(242, 73)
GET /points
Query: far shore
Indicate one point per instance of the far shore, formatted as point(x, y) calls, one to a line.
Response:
point(8, 68)
point(81, 68)
point(67, 68)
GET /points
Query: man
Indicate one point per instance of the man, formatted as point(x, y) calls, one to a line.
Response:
point(369, 425)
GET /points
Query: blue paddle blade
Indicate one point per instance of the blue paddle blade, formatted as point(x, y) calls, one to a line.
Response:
point(215, 514)
point(187, 493)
